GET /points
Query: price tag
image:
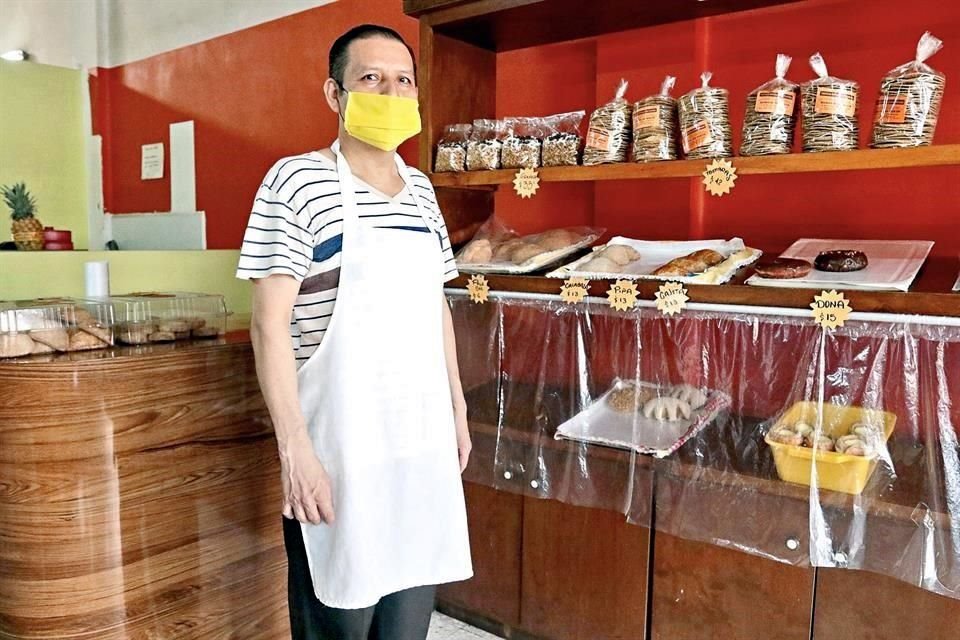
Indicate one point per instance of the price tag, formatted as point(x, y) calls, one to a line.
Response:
point(671, 298)
point(478, 288)
point(623, 295)
point(526, 183)
point(574, 290)
point(830, 309)
point(719, 177)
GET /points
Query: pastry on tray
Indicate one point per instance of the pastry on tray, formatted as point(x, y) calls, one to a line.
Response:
point(690, 394)
point(691, 264)
point(666, 409)
point(630, 398)
point(840, 261)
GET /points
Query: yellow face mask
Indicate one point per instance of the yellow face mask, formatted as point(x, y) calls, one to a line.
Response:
point(380, 120)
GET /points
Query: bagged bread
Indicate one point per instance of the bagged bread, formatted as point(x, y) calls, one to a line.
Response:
point(769, 119)
point(483, 148)
point(829, 111)
point(608, 138)
point(495, 244)
point(909, 102)
point(521, 144)
point(561, 144)
point(655, 125)
point(705, 121)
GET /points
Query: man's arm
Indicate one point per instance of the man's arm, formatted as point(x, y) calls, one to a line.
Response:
point(306, 487)
point(464, 445)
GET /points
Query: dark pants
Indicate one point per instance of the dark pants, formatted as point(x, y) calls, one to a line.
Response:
point(404, 615)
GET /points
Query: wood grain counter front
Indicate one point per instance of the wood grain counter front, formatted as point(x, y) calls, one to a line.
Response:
point(139, 496)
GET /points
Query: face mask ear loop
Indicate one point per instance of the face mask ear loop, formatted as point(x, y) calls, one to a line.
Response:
point(341, 90)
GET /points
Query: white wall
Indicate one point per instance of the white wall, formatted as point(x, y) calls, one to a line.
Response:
point(62, 33)
point(138, 29)
point(108, 33)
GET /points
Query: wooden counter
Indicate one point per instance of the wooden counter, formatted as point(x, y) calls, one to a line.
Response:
point(139, 496)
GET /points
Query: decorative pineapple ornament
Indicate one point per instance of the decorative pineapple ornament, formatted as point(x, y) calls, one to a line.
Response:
point(27, 230)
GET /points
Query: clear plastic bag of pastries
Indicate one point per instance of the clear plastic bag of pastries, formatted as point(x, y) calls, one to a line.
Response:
point(452, 148)
point(655, 125)
point(830, 108)
point(608, 137)
point(909, 102)
point(770, 116)
point(705, 121)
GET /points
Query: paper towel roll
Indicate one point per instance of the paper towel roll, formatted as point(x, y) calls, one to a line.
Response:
point(97, 278)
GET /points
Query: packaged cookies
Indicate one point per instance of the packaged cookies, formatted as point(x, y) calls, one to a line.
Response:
point(521, 144)
point(769, 119)
point(909, 102)
point(608, 137)
point(705, 121)
point(655, 125)
point(452, 148)
point(829, 111)
point(483, 148)
point(561, 144)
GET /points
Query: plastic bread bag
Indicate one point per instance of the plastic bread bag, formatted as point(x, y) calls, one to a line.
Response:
point(495, 243)
point(909, 102)
point(655, 125)
point(608, 136)
point(705, 121)
point(770, 116)
point(561, 144)
point(521, 144)
point(452, 148)
point(483, 148)
point(830, 108)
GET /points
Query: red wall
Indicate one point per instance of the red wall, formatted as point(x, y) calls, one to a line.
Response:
point(255, 96)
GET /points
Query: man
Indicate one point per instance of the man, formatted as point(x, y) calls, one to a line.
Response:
point(356, 359)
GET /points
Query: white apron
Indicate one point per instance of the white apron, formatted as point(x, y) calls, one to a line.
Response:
point(376, 398)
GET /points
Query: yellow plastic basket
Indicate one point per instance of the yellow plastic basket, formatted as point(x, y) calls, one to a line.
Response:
point(835, 471)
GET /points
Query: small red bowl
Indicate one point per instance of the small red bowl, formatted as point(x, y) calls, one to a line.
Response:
point(56, 235)
point(58, 246)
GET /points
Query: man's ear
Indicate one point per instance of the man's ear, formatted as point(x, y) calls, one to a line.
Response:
point(331, 91)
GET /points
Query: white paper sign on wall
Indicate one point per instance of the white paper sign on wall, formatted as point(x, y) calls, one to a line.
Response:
point(151, 161)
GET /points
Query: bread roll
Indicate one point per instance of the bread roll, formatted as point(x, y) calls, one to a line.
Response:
point(666, 409)
point(690, 394)
point(478, 252)
point(620, 253)
point(557, 239)
point(56, 339)
point(503, 251)
point(525, 252)
point(600, 264)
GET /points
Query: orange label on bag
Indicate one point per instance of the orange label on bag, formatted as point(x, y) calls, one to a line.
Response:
point(696, 136)
point(646, 117)
point(891, 109)
point(779, 102)
point(599, 139)
point(837, 102)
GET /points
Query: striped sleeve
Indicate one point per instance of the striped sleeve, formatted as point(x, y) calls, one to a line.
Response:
point(425, 188)
point(277, 240)
point(449, 264)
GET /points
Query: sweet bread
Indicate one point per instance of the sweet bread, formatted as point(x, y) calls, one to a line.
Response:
point(503, 251)
point(690, 394)
point(557, 239)
point(666, 409)
point(840, 261)
point(205, 332)
point(620, 253)
point(629, 398)
point(696, 262)
point(162, 336)
point(525, 251)
point(82, 341)
point(600, 265)
point(56, 339)
point(477, 252)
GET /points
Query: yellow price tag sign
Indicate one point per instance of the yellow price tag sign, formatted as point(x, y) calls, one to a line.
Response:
point(526, 183)
point(719, 176)
point(478, 288)
point(574, 290)
point(622, 295)
point(830, 309)
point(671, 298)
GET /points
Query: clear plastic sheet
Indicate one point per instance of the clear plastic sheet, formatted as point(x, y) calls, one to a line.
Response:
point(532, 363)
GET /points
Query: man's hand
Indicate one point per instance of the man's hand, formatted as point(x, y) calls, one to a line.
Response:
point(464, 444)
point(306, 486)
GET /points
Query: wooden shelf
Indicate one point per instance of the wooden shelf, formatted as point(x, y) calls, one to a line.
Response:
point(504, 25)
point(863, 159)
point(930, 295)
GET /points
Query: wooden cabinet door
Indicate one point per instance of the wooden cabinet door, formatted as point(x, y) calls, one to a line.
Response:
point(494, 518)
point(855, 605)
point(584, 573)
point(704, 591)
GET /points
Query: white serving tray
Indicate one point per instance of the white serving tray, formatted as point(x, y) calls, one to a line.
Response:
point(599, 424)
point(891, 265)
point(533, 264)
point(654, 254)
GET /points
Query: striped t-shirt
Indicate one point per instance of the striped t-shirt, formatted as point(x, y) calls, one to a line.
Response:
point(296, 228)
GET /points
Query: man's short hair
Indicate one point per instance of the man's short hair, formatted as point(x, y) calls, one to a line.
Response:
point(338, 52)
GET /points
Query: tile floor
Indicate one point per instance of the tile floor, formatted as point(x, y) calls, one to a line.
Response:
point(446, 628)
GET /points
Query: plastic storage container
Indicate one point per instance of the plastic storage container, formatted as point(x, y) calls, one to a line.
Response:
point(50, 325)
point(835, 471)
point(148, 317)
